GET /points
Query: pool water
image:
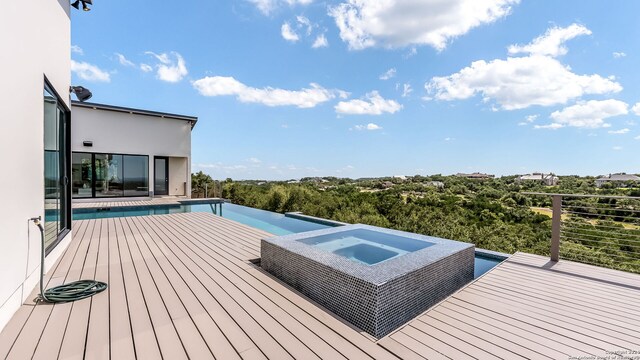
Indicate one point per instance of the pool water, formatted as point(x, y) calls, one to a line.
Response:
point(279, 224)
point(366, 246)
point(271, 222)
point(484, 264)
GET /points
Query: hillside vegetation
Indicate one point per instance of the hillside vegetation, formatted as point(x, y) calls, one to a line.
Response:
point(492, 213)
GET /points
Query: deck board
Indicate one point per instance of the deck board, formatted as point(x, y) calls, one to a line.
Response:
point(182, 286)
point(529, 306)
point(294, 320)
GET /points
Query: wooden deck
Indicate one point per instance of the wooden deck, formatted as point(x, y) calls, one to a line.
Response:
point(181, 286)
point(530, 308)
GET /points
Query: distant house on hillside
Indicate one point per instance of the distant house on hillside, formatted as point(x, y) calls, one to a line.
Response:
point(435, 184)
point(547, 179)
point(619, 180)
point(475, 175)
point(387, 185)
point(400, 177)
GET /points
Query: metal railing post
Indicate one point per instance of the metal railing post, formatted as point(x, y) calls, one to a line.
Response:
point(556, 222)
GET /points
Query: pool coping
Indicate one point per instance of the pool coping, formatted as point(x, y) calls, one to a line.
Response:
point(322, 221)
point(379, 273)
point(492, 254)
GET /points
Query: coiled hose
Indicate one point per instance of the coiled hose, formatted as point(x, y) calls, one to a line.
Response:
point(73, 291)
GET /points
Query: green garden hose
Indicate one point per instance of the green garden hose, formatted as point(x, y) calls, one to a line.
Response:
point(73, 291)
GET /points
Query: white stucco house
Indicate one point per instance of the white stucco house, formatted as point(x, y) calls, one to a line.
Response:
point(122, 152)
point(546, 179)
point(618, 180)
point(35, 156)
point(117, 152)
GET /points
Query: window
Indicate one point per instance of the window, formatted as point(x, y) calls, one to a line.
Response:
point(110, 175)
point(82, 175)
point(136, 175)
point(57, 199)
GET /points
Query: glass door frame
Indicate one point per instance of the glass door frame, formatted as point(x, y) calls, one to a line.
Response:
point(93, 175)
point(166, 174)
point(64, 165)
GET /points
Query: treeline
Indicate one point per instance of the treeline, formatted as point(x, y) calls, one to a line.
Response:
point(494, 221)
point(493, 214)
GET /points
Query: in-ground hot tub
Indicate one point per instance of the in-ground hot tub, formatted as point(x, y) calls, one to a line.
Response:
point(375, 278)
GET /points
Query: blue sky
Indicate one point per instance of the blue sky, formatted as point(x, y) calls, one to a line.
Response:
point(291, 88)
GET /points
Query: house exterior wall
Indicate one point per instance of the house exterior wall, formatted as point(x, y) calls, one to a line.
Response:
point(178, 176)
point(36, 39)
point(136, 134)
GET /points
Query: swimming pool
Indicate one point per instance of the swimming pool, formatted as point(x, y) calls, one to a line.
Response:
point(274, 223)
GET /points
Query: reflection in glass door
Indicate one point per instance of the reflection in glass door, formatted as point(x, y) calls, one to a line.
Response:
point(109, 178)
point(82, 175)
point(56, 195)
point(161, 175)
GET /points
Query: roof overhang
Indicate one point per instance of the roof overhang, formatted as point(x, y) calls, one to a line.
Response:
point(192, 119)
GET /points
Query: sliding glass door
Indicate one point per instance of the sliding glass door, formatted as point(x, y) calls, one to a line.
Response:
point(110, 175)
point(57, 200)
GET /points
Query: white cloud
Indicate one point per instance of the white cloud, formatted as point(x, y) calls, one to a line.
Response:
point(146, 67)
point(590, 114)
point(320, 42)
point(268, 6)
point(637, 137)
point(521, 82)
point(636, 108)
point(406, 90)
point(303, 28)
point(370, 127)
point(412, 51)
point(288, 33)
point(304, 98)
point(552, 126)
point(254, 160)
point(373, 104)
point(619, 54)
point(617, 148)
point(224, 168)
point(123, 60)
point(89, 72)
point(391, 73)
point(77, 50)
point(303, 21)
point(619, 132)
point(168, 69)
point(517, 83)
point(347, 168)
point(552, 42)
point(449, 139)
point(399, 23)
point(528, 120)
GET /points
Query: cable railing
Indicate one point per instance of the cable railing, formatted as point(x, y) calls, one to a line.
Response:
point(596, 229)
